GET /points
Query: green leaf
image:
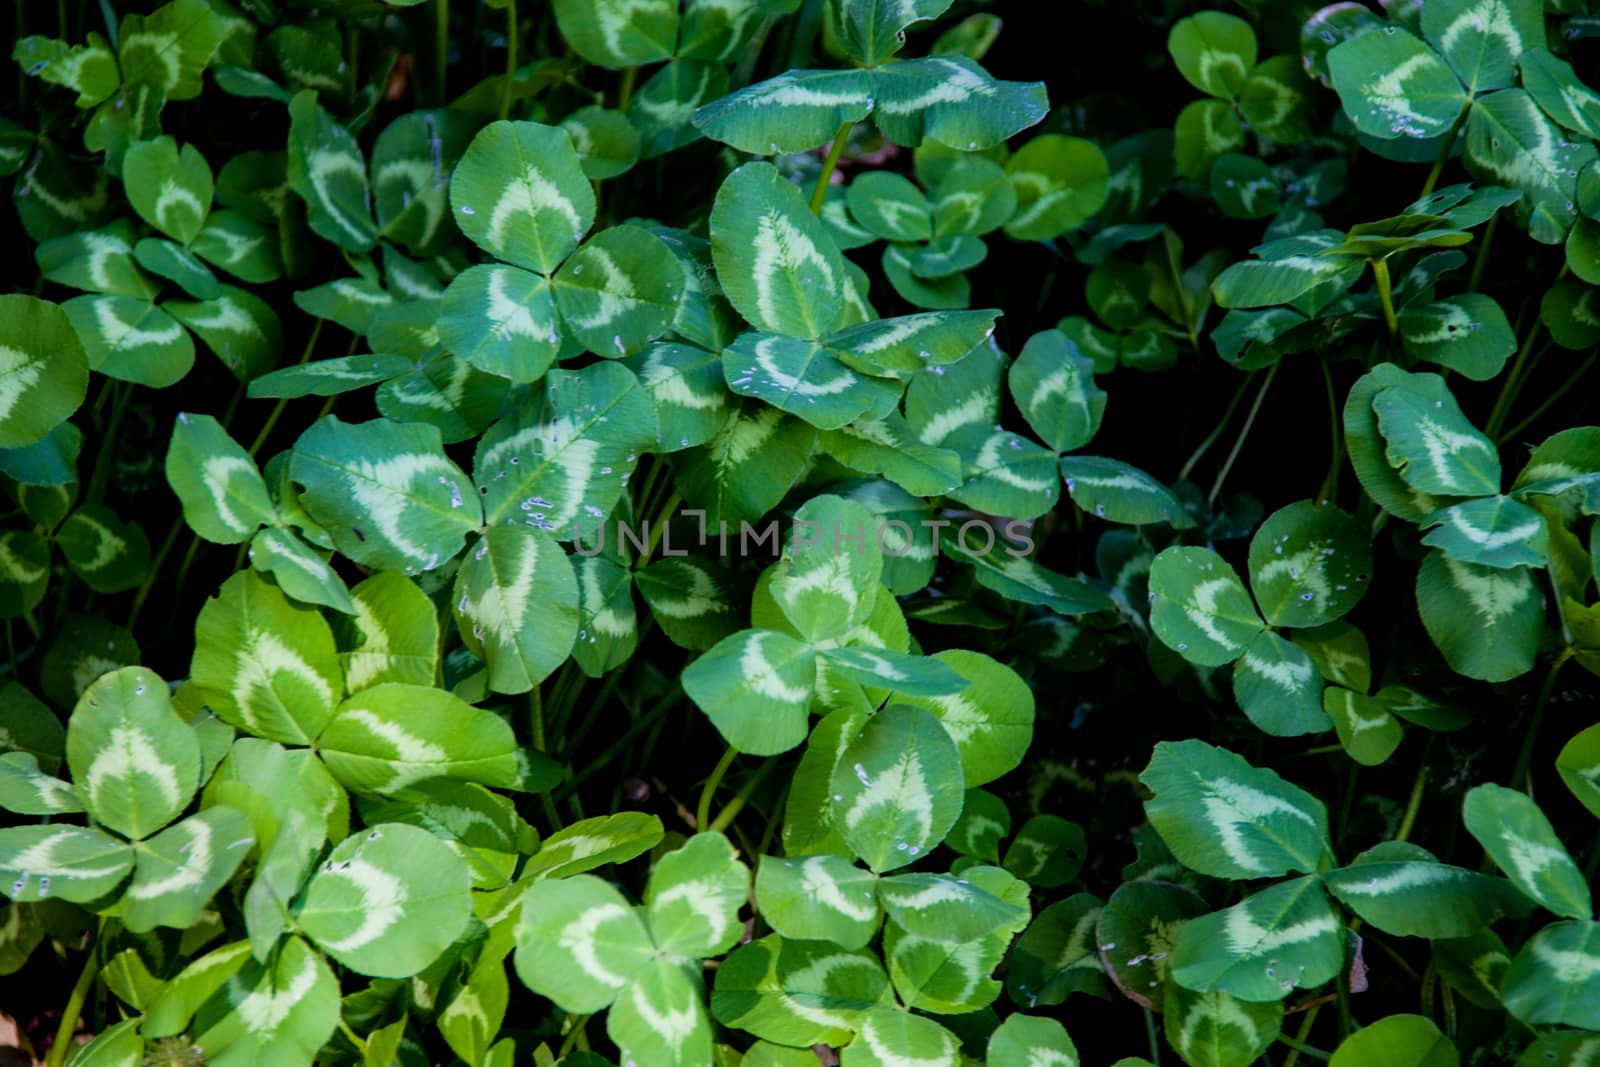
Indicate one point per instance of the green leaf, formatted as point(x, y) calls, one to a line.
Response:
point(516, 606)
point(47, 862)
point(1216, 1030)
point(1137, 928)
point(170, 47)
point(1579, 767)
point(619, 33)
point(990, 718)
point(693, 899)
point(592, 843)
point(288, 1006)
point(953, 910)
point(240, 246)
point(871, 31)
point(972, 198)
point(798, 992)
point(954, 101)
point(393, 636)
point(1492, 531)
point(1200, 607)
point(607, 627)
point(44, 373)
point(1483, 39)
point(1309, 565)
point(1057, 954)
point(1053, 385)
point(1366, 728)
point(686, 384)
point(1047, 852)
point(1419, 897)
point(1433, 446)
point(1060, 182)
point(519, 193)
point(299, 570)
point(1221, 816)
point(824, 581)
point(755, 459)
point(755, 687)
point(388, 736)
point(1287, 270)
point(805, 379)
point(1558, 91)
point(1260, 949)
point(888, 205)
point(793, 112)
point(100, 261)
point(932, 970)
point(1214, 51)
point(388, 901)
point(1112, 490)
point(179, 870)
point(411, 163)
point(240, 327)
point(351, 302)
point(1509, 141)
point(1392, 85)
point(167, 259)
point(579, 942)
point(562, 465)
point(670, 99)
point(169, 188)
point(136, 763)
point(777, 264)
point(897, 788)
point(818, 898)
point(1205, 131)
point(89, 69)
point(889, 1037)
point(264, 664)
point(224, 498)
point(660, 1020)
point(385, 492)
point(1467, 333)
point(24, 572)
point(1556, 977)
point(1512, 829)
point(108, 554)
point(1278, 688)
point(628, 296)
point(1032, 1040)
point(27, 790)
point(1366, 444)
point(1399, 1040)
point(1486, 621)
point(691, 601)
point(326, 169)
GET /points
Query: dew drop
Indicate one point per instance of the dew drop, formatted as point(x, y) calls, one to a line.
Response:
point(466, 210)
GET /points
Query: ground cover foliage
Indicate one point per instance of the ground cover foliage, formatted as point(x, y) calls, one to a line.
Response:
point(891, 533)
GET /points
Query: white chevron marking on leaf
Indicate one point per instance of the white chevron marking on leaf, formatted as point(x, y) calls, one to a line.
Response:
point(578, 938)
point(826, 891)
point(129, 753)
point(383, 899)
point(264, 1010)
point(762, 677)
point(197, 857)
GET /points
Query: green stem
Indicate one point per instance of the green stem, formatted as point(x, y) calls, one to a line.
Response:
point(149, 582)
point(702, 813)
point(1444, 151)
point(752, 52)
point(1222, 424)
point(732, 809)
point(1549, 401)
point(834, 152)
point(1380, 275)
point(631, 734)
point(1531, 733)
point(350, 1035)
point(574, 1038)
point(74, 1009)
point(1150, 1035)
point(1330, 484)
point(1482, 260)
point(1513, 384)
point(1244, 432)
point(1305, 1031)
point(277, 409)
point(111, 22)
point(1182, 295)
point(511, 58)
point(1303, 1049)
point(1408, 821)
point(108, 447)
point(441, 49)
point(625, 91)
point(536, 725)
point(658, 528)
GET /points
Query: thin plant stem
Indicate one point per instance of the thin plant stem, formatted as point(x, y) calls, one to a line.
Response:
point(702, 812)
point(75, 1002)
point(631, 734)
point(1222, 424)
point(1380, 275)
point(1512, 385)
point(155, 569)
point(1408, 821)
point(625, 91)
point(731, 810)
point(1182, 295)
point(1482, 259)
point(1330, 484)
point(1549, 401)
point(110, 17)
point(1444, 151)
point(108, 447)
point(574, 1038)
point(1300, 1036)
point(659, 527)
point(283, 402)
point(441, 49)
point(1519, 775)
point(1244, 432)
point(1303, 1049)
point(835, 150)
point(1150, 1035)
point(350, 1035)
point(536, 723)
point(511, 58)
